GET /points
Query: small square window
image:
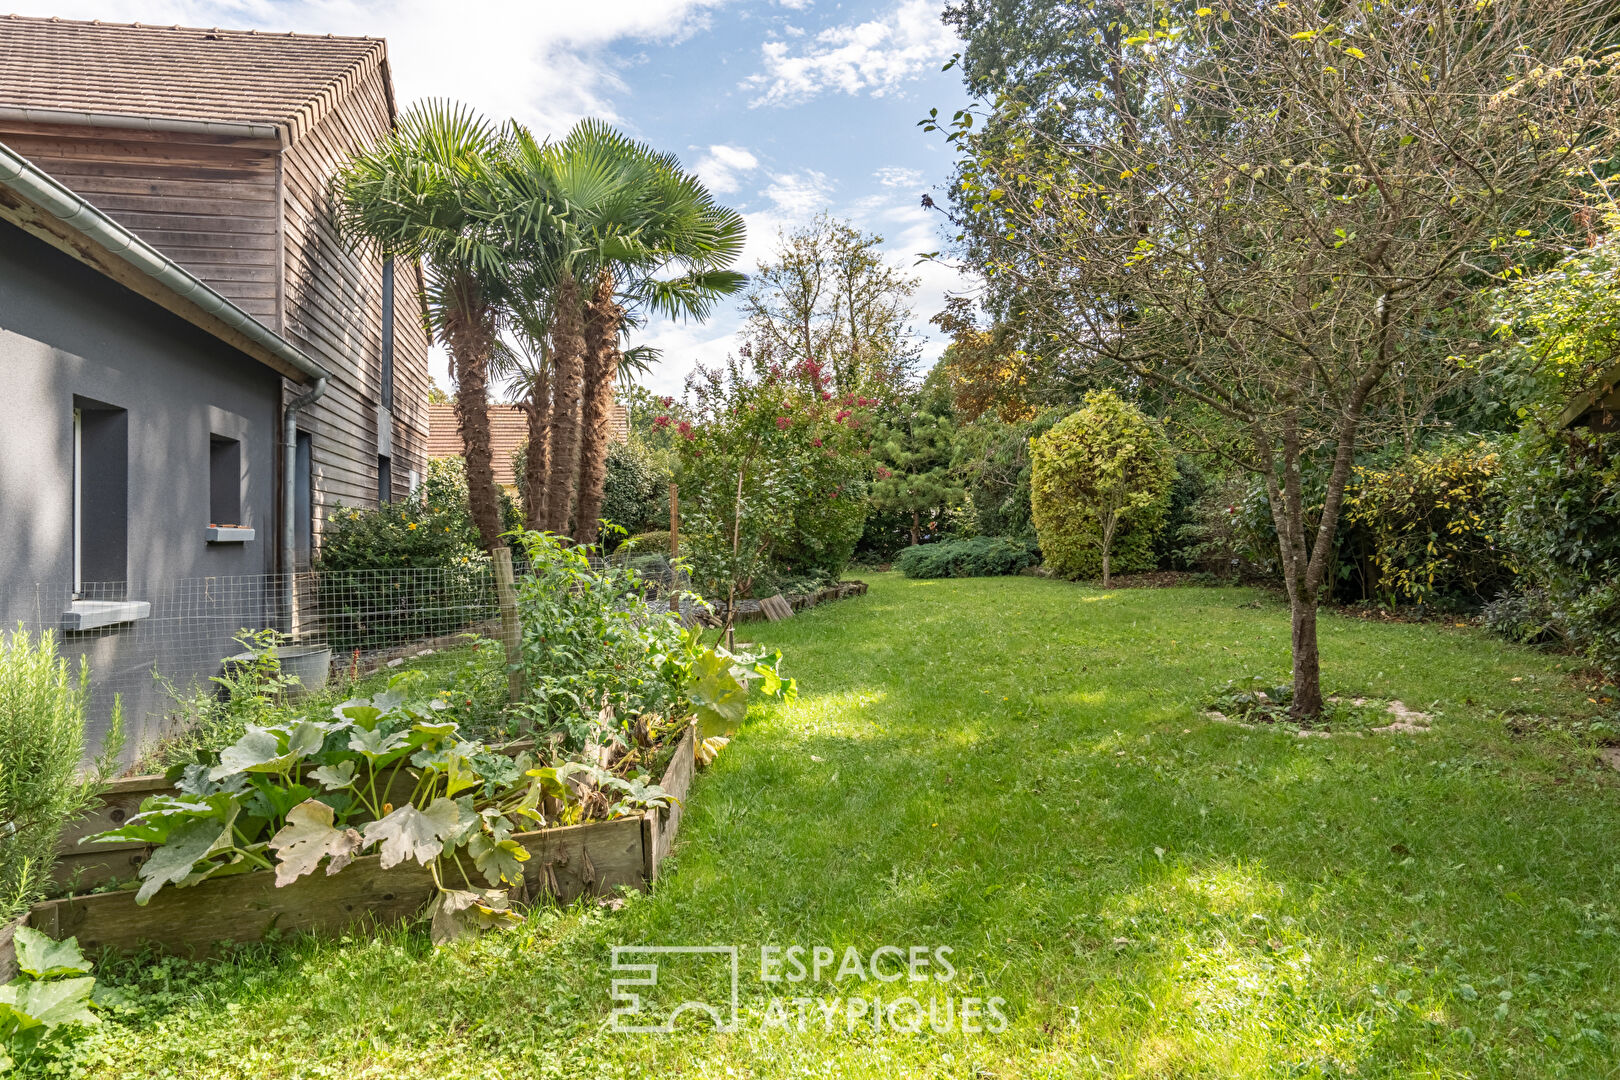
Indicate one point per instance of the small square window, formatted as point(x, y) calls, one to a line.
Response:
point(224, 481)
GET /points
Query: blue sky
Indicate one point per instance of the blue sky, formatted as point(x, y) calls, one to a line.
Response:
point(786, 107)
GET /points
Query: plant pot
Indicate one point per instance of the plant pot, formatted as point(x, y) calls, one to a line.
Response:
point(311, 663)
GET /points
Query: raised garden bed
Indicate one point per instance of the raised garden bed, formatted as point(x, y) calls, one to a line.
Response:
point(595, 858)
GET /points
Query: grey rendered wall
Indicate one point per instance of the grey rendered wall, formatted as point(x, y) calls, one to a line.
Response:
point(66, 331)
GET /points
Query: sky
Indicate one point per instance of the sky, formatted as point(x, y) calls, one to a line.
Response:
point(784, 107)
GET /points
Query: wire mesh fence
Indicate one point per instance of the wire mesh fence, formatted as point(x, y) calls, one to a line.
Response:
point(150, 645)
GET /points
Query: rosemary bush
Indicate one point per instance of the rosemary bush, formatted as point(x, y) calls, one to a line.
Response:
point(42, 711)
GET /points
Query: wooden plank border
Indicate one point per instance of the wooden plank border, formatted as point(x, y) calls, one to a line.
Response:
point(593, 859)
point(8, 950)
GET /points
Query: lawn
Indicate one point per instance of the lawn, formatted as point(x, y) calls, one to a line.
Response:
point(1019, 770)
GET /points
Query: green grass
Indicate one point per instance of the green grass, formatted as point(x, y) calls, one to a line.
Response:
point(1020, 770)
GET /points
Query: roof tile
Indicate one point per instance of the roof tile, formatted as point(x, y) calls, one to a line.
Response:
point(171, 72)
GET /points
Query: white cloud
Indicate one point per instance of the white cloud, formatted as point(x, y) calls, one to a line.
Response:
point(893, 176)
point(545, 63)
point(874, 56)
point(722, 167)
point(796, 5)
point(800, 194)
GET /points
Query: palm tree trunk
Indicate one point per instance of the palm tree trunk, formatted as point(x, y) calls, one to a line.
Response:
point(567, 349)
point(602, 317)
point(470, 338)
point(538, 411)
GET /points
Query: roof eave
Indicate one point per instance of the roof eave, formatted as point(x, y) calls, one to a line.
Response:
point(131, 122)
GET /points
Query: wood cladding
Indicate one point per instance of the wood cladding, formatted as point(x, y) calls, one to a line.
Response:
point(251, 216)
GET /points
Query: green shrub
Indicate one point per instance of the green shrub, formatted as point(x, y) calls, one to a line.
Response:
point(1562, 524)
point(42, 710)
point(992, 458)
point(594, 654)
point(1524, 614)
point(1099, 484)
point(1435, 520)
point(376, 566)
point(637, 485)
point(647, 543)
point(981, 556)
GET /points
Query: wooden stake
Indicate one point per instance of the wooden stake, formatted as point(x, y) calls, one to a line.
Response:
point(511, 629)
point(674, 542)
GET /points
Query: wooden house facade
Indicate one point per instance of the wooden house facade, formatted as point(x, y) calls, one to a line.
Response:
point(217, 147)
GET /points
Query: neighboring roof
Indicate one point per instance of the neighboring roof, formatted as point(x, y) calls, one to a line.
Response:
point(60, 71)
point(44, 208)
point(508, 427)
point(1598, 408)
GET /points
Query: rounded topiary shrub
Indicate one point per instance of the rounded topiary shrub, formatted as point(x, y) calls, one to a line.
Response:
point(1099, 484)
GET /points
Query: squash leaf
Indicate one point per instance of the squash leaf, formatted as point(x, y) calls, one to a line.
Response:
point(39, 956)
point(307, 838)
point(409, 833)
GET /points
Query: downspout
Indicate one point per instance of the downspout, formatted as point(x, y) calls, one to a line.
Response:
point(289, 490)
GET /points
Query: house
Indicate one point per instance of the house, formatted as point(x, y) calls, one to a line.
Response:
point(138, 448)
point(196, 367)
point(508, 429)
point(1598, 406)
point(217, 147)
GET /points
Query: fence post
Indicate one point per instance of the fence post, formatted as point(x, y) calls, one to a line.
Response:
point(511, 631)
point(674, 544)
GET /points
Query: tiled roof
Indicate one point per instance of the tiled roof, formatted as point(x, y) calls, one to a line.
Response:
point(508, 427)
point(176, 73)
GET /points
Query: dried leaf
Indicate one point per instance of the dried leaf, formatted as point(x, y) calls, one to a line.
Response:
point(409, 833)
point(307, 838)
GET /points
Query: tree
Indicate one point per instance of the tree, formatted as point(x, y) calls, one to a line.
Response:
point(912, 460)
point(418, 194)
point(1100, 468)
point(1281, 219)
point(829, 298)
point(640, 236)
point(754, 447)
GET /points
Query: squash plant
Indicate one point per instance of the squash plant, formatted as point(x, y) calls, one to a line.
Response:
point(52, 991)
point(390, 775)
point(290, 796)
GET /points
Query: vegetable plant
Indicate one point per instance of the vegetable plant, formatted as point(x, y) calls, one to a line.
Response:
point(385, 774)
point(51, 994)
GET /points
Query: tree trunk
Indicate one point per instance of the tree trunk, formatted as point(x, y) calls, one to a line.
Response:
point(602, 318)
point(916, 529)
point(470, 339)
point(538, 411)
point(567, 347)
point(1307, 660)
point(1109, 523)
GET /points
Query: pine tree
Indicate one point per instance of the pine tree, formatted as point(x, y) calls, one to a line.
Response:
point(914, 467)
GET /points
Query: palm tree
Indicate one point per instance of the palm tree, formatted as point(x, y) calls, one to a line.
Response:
point(527, 370)
point(643, 236)
point(420, 194)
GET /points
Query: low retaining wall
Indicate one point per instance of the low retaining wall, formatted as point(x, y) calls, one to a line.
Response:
point(750, 611)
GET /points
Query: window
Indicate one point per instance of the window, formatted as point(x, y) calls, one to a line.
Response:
point(224, 481)
point(385, 479)
point(386, 394)
point(303, 500)
point(100, 499)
